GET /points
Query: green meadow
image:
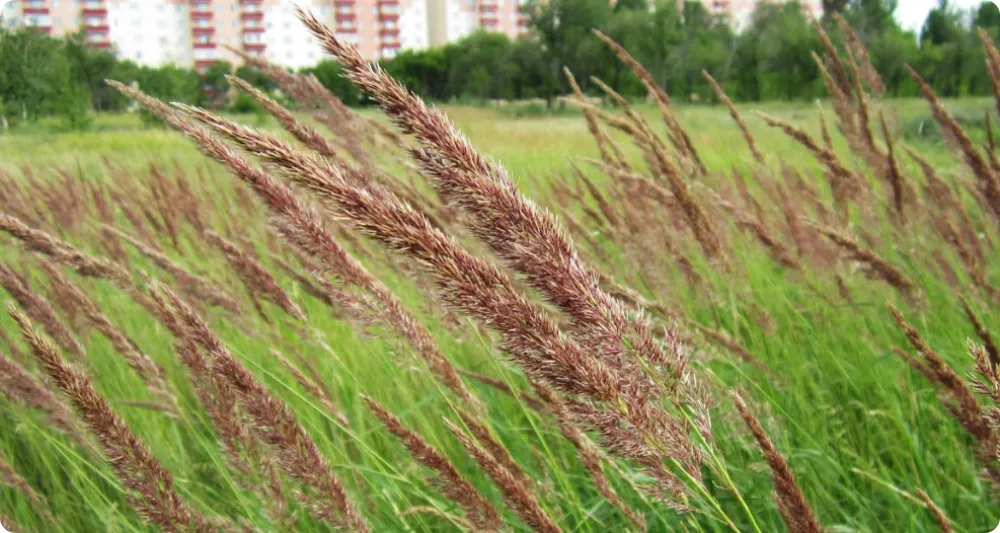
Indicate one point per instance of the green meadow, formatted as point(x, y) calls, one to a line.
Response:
point(863, 432)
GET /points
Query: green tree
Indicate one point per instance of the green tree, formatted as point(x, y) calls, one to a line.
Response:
point(564, 29)
point(34, 73)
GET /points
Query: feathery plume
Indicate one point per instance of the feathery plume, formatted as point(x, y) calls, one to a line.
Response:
point(38, 309)
point(478, 510)
point(308, 233)
point(960, 401)
point(20, 386)
point(256, 279)
point(987, 180)
point(519, 496)
point(877, 268)
point(275, 423)
point(981, 332)
point(795, 509)
point(150, 371)
point(478, 288)
point(845, 183)
point(193, 285)
point(735, 113)
point(150, 484)
point(61, 252)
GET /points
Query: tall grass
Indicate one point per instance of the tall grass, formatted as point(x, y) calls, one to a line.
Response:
point(346, 326)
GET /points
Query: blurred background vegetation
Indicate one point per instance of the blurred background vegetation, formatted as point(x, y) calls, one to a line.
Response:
point(768, 59)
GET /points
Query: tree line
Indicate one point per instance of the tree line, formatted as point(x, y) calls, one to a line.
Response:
point(768, 58)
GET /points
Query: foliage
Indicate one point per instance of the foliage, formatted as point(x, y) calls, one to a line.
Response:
point(768, 58)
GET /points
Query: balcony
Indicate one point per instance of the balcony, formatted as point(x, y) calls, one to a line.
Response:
point(94, 12)
point(202, 64)
point(253, 30)
point(37, 10)
point(387, 16)
point(99, 27)
point(209, 30)
point(252, 15)
point(258, 47)
point(205, 46)
point(389, 34)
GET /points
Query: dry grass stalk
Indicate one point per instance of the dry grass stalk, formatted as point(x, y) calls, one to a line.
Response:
point(876, 267)
point(859, 51)
point(313, 388)
point(824, 128)
point(833, 57)
point(10, 477)
point(940, 194)
point(982, 333)
point(38, 309)
point(479, 512)
point(63, 253)
point(254, 276)
point(872, 151)
point(986, 381)
point(306, 134)
point(313, 140)
point(679, 136)
point(603, 204)
point(296, 452)
point(694, 214)
point(896, 183)
point(841, 102)
point(460, 172)
point(306, 231)
point(991, 143)
point(735, 113)
point(588, 454)
point(731, 344)
point(150, 485)
point(992, 64)
point(795, 509)
point(20, 386)
point(775, 248)
point(478, 288)
point(987, 181)
point(944, 525)
point(502, 386)
point(846, 184)
point(519, 497)
point(150, 371)
point(599, 136)
point(194, 286)
point(959, 399)
point(243, 450)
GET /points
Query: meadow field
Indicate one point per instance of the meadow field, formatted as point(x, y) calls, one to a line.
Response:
point(788, 299)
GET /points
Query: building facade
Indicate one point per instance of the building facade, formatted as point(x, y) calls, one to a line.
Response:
point(199, 32)
point(740, 11)
point(451, 20)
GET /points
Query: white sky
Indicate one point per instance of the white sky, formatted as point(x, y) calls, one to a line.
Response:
point(912, 13)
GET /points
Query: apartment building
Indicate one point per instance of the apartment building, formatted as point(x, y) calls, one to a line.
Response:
point(740, 11)
point(451, 20)
point(197, 32)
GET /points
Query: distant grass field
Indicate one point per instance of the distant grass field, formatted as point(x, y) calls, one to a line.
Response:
point(862, 431)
